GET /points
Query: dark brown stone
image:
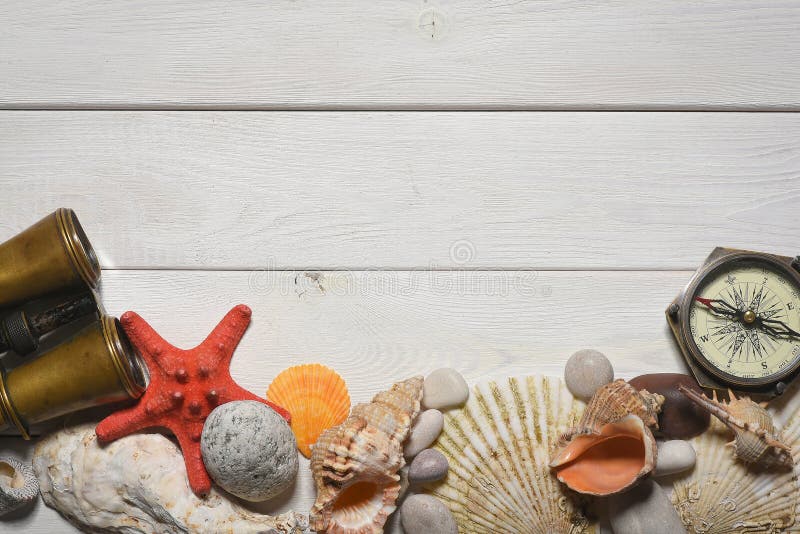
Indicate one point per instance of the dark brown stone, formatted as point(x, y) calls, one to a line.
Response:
point(680, 418)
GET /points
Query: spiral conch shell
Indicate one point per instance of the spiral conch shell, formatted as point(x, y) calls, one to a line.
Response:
point(356, 464)
point(612, 446)
point(756, 440)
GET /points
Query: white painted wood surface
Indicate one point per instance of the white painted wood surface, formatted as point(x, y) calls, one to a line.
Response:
point(408, 190)
point(545, 54)
point(387, 243)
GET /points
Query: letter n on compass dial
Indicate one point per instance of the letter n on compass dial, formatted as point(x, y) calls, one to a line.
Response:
point(745, 321)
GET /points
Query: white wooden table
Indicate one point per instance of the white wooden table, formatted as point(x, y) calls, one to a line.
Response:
point(399, 186)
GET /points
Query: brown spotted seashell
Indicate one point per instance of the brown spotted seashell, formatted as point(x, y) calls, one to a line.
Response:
point(756, 441)
point(612, 447)
point(355, 465)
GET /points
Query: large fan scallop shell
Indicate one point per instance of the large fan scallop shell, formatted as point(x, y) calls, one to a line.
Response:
point(356, 464)
point(317, 398)
point(722, 494)
point(498, 447)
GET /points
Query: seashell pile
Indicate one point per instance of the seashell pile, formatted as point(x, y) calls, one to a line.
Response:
point(355, 464)
point(317, 398)
point(755, 439)
point(138, 484)
point(497, 446)
point(612, 447)
point(723, 495)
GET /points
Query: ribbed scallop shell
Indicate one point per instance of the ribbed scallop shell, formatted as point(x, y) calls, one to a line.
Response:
point(317, 398)
point(723, 495)
point(498, 448)
point(355, 464)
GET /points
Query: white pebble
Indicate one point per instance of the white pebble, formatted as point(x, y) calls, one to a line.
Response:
point(423, 514)
point(586, 371)
point(674, 456)
point(646, 509)
point(424, 431)
point(444, 388)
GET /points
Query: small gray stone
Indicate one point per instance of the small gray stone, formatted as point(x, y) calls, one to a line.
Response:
point(429, 465)
point(424, 514)
point(249, 450)
point(674, 456)
point(444, 388)
point(644, 509)
point(586, 371)
point(426, 428)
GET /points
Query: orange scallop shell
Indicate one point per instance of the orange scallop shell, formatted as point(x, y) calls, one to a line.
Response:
point(317, 398)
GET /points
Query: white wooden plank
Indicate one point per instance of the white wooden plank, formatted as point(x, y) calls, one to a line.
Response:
point(377, 327)
point(407, 190)
point(622, 54)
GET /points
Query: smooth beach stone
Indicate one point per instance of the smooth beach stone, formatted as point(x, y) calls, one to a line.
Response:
point(586, 371)
point(249, 450)
point(426, 428)
point(674, 456)
point(444, 388)
point(644, 509)
point(424, 514)
point(428, 466)
point(680, 418)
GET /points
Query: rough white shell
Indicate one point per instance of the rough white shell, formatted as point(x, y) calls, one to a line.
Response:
point(725, 495)
point(498, 446)
point(137, 484)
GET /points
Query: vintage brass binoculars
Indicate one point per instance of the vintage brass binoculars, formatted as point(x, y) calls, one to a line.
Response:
point(79, 357)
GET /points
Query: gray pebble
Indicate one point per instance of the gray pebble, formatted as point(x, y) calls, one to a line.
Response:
point(674, 456)
point(429, 465)
point(426, 428)
point(444, 388)
point(424, 514)
point(249, 450)
point(586, 371)
point(644, 509)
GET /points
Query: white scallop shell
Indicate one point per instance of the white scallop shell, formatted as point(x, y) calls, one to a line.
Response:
point(498, 446)
point(723, 494)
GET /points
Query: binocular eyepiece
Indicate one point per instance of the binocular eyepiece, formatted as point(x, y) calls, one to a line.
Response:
point(93, 363)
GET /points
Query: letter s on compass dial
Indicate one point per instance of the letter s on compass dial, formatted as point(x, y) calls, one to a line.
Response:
point(744, 320)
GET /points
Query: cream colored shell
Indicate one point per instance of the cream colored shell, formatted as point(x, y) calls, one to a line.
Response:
point(498, 446)
point(356, 464)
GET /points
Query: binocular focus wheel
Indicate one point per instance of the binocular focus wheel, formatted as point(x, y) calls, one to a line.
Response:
point(18, 334)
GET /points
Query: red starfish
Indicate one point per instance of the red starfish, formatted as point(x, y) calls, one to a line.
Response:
point(185, 385)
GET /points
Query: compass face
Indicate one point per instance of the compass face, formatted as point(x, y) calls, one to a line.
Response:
point(745, 322)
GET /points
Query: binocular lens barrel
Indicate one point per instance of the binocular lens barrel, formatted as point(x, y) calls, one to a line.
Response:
point(52, 255)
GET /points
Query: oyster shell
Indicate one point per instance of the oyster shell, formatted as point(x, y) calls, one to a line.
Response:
point(356, 464)
point(612, 447)
point(756, 441)
point(137, 484)
point(497, 446)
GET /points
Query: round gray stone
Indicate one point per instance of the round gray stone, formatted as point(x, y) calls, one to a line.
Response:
point(444, 388)
point(674, 456)
point(586, 371)
point(644, 509)
point(249, 450)
point(429, 465)
point(426, 428)
point(424, 514)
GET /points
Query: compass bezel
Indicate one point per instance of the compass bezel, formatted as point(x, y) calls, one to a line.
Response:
point(723, 262)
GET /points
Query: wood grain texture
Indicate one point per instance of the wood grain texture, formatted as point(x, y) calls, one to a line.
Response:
point(378, 327)
point(550, 54)
point(407, 190)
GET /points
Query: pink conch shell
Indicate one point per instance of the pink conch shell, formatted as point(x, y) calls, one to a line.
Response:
point(356, 464)
point(612, 446)
point(756, 440)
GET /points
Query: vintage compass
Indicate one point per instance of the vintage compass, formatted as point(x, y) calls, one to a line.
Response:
point(737, 322)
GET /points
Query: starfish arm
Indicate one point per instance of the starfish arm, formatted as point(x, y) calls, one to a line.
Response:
point(225, 337)
point(243, 394)
point(123, 423)
point(199, 480)
point(147, 341)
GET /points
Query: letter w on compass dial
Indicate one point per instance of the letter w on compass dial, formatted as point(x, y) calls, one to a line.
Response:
point(746, 321)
